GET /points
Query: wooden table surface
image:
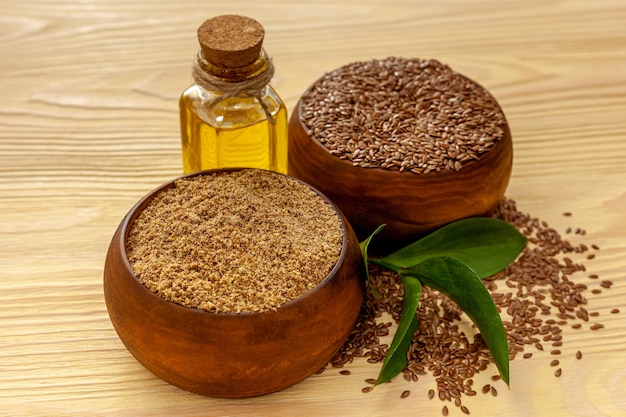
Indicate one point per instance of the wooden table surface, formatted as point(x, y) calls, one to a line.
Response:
point(89, 124)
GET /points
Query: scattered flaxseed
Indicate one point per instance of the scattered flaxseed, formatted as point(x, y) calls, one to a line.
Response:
point(345, 372)
point(486, 388)
point(464, 409)
point(402, 114)
point(579, 354)
point(615, 311)
point(246, 240)
point(597, 326)
point(558, 372)
point(405, 394)
point(539, 295)
point(444, 410)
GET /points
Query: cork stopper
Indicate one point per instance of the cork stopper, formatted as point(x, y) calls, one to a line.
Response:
point(231, 41)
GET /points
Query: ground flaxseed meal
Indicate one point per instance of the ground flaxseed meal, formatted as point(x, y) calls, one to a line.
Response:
point(246, 240)
point(537, 298)
point(402, 114)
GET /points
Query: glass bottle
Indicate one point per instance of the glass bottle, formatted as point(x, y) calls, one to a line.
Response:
point(231, 116)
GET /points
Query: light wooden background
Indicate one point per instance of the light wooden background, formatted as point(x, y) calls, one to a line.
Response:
point(89, 124)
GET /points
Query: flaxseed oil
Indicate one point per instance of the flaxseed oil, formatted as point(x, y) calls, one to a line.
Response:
point(234, 132)
point(231, 117)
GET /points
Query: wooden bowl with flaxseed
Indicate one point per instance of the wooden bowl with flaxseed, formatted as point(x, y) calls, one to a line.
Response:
point(405, 142)
point(234, 283)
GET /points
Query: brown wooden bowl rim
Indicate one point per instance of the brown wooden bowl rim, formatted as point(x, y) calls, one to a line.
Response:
point(467, 165)
point(145, 200)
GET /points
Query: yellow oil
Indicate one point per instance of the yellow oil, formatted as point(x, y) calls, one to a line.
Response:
point(234, 133)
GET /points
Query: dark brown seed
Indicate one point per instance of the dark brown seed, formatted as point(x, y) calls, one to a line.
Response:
point(365, 390)
point(558, 372)
point(615, 311)
point(579, 355)
point(597, 326)
point(391, 114)
point(486, 388)
point(539, 292)
point(405, 394)
point(464, 409)
point(345, 372)
point(555, 352)
point(444, 410)
point(494, 392)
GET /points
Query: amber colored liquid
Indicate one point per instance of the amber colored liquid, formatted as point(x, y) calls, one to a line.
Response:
point(235, 133)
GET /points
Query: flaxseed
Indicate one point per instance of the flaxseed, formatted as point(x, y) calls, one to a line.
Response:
point(402, 114)
point(539, 295)
point(246, 240)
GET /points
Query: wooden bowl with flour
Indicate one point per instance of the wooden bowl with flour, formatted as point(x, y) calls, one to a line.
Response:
point(232, 354)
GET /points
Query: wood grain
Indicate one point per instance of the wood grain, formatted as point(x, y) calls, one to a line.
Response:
point(89, 124)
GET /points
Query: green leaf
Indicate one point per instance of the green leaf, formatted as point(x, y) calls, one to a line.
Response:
point(486, 245)
point(461, 284)
point(364, 245)
point(396, 359)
